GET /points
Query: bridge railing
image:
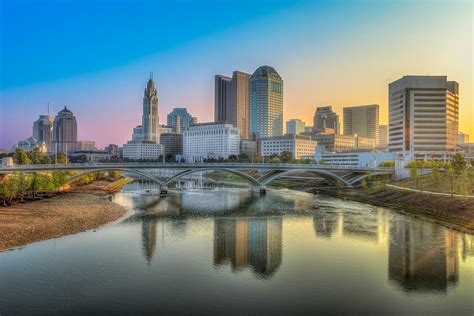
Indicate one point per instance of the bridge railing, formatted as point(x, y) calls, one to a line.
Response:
point(152, 165)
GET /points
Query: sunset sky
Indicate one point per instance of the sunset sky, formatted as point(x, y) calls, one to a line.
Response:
point(96, 56)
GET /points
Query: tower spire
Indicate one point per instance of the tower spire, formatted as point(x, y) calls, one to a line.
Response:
point(48, 107)
point(151, 75)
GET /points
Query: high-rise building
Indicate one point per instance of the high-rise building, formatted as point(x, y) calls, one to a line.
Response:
point(210, 141)
point(423, 116)
point(266, 103)
point(221, 98)
point(232, 101)
point(150, 118)
point(65, 131)
point(334, 143)
point(383, 136)
point(172, 143)
point(295, 127)
point(43, 130)
point(179, 119)
point(362, 120)
point(325, 117)
point(146, 137)
point(86, 145)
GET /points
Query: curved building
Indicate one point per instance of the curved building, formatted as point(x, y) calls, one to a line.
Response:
point(65, 131)
point(266, 103)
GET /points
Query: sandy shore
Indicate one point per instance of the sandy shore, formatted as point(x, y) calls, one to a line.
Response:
point(64, 214)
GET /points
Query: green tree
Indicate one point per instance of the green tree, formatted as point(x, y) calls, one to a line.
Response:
point(449, 171)
point(21, 158)
point(387, 164)
point(35, 156)
point(458, 163)
point(465, 184)
point(435, 170)
point(8, 189)
point(61, 158)
point(415, 167)
point(45, 160)
point(286, 156)
point(59, 179)
point(114, 174)
point(23, 184)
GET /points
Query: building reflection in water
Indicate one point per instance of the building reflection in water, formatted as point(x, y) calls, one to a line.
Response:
point(149, 238)
point(249, 242)
point(325, 223)
point(422, 257)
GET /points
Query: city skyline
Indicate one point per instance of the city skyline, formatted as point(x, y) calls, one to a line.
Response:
point(312, 77)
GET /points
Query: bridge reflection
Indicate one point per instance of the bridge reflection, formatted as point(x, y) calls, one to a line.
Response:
point(249, 242)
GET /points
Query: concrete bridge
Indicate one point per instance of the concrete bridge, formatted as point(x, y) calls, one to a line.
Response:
point(346, 176)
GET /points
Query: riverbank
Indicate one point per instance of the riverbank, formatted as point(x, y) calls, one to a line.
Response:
point(453, 212)
point(76, 210)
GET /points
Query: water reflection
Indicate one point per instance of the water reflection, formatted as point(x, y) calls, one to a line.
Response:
point(249, 242)
point(422, 257)
point(149, 238)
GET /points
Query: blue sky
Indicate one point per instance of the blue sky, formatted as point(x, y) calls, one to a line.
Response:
point(95, 56)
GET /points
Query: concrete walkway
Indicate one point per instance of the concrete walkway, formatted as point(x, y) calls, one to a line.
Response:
point(429, 192)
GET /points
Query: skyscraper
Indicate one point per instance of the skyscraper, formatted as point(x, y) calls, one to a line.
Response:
point(383, 136)
point(150, 118)
point(325, 117)
point(423, 116)
point(65, 131)
point(266, 103)
point(180, 119)
point(221, 98)
point(43, 130)
point(295, 126)
point(362, 120)
point(232, 101)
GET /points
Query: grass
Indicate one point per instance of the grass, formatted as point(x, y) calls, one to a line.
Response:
point(426, 183)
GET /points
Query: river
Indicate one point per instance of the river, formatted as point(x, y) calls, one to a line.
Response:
point(231, 251)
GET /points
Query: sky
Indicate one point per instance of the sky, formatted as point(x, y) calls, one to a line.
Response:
point(95, 57)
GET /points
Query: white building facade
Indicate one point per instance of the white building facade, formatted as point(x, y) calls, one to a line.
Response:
point(210, 141)
point(369, 159)
point(299, 146)
point(142, 150)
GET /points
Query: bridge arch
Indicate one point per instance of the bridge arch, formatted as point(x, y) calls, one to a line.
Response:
point(177, 176)
point(137, 172)
point(323, 173)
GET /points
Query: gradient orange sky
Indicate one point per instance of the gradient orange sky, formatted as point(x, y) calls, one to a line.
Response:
point(340, 54)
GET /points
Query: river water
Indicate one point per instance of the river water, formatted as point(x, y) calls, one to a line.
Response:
point(230, 251)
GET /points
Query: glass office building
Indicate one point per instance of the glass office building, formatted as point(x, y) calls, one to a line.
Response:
point(266, 103)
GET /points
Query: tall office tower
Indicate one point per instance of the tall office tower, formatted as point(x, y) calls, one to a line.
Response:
point(325, 117)
point(295, 127)
point(266, 103)
point(423, 116)
point(150, 118)
point(43, 130)
point(383, 136)
point(221, 98)
point(180, 119)
point(239, 103)
point(362, 120)
point(65, 131)
point(232, 101)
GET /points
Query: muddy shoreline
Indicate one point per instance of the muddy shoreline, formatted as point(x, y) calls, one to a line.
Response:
point(77, 210)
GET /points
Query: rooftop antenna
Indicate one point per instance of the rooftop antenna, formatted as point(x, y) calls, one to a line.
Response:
point(48, 108)
point(151, 75)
